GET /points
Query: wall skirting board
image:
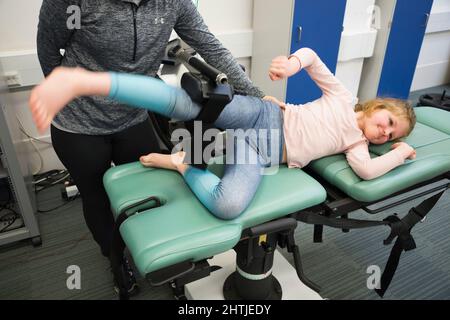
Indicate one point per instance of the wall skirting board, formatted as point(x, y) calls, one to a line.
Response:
point(431, 75)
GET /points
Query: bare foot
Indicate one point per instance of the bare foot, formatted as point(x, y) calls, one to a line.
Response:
point(165, 161)
point(48, 98)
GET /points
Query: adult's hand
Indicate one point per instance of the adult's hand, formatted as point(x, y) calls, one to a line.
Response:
point(281, 104)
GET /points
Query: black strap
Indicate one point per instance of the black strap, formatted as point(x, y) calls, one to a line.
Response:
point(339, 223)
point(216, 102)
point(289, 240)
point(402, 230)
point(197, 143)
point(218, 99)
point(116, 256)
point(318, 233)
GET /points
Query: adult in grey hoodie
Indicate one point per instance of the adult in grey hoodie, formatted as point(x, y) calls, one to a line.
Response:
point(125, 36)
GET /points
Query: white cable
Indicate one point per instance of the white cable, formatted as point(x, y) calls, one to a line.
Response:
point(54, 182)
point(32, 139)
point(48, 177)
point(41, 160)
point(28, 135)
point(36, 139)
point(59, 180)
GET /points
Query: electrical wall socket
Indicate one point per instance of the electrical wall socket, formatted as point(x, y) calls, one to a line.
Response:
point(13, 79)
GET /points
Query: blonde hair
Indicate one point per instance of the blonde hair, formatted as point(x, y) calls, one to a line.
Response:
point(400, 108)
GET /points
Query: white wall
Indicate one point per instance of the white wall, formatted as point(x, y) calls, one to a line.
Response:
point(433, 65)
point(357, 42)
point(18, 22)
point(19, 19)
point(230, 20)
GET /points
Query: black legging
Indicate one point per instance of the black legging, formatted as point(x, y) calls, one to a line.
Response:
point(87, 158)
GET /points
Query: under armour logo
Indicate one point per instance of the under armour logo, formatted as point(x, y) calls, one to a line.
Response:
point(159, 21)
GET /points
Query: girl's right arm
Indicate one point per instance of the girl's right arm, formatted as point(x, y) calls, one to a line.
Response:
point(368, 168)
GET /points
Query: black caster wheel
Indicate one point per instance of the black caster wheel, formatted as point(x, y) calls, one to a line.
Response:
point(36, 241)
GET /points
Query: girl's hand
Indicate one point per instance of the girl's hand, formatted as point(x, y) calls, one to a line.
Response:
point(282, 105)
point(278, 68)
point(407, 151)
point(283, 67)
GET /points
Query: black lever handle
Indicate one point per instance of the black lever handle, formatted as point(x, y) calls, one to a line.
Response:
point(208, 71)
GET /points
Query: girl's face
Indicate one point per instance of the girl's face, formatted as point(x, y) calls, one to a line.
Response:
point(382, 126)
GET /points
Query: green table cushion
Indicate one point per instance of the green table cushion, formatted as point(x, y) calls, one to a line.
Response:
point(430, 138)
point(182, 228)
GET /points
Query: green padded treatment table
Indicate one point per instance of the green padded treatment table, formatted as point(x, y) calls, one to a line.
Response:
point(182, 229)
point(430, 138)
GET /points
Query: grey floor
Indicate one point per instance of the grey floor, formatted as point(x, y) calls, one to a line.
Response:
point(339, 264)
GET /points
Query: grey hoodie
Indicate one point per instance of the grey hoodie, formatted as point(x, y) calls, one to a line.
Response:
point(124, 36)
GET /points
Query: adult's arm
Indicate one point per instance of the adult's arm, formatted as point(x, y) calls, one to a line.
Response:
point(53, 32)
point(193, 30)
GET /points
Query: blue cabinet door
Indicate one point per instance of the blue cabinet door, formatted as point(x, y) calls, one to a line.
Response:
point(317, 24)
point(403, 48)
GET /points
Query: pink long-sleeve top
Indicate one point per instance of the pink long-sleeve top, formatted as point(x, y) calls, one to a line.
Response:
point(329, 126)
